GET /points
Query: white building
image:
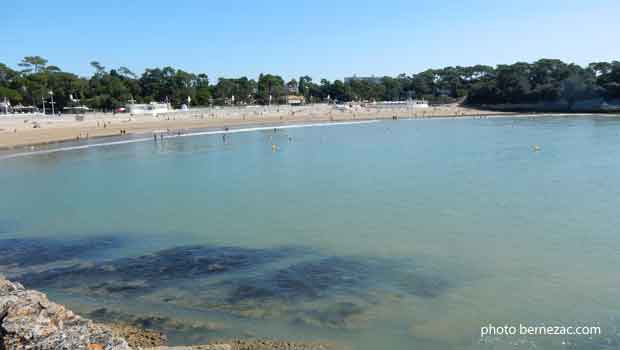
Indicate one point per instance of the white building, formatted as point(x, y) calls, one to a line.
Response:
point(419, 103)
point(294, 100)
point(153, 108)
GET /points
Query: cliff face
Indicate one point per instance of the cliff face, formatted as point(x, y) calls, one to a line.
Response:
point(28, 320)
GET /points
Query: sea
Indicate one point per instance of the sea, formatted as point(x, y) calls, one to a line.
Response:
point(399, 234)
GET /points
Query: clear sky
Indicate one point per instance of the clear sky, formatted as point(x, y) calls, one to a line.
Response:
point(323, 39)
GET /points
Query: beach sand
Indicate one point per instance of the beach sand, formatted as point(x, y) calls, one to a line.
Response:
point(30, 130)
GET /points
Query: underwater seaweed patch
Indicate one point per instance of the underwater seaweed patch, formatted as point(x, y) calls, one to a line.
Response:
point(25, 252)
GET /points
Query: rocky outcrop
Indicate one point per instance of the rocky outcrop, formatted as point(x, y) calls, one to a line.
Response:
point(28, 320)
point(138, 338)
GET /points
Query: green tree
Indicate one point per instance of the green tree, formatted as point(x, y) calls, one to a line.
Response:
point(33, 64)
point(270, 85)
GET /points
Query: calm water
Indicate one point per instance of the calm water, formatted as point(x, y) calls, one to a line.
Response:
point(399, 234)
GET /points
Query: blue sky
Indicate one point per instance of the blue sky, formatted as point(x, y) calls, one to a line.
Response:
point(324, 39)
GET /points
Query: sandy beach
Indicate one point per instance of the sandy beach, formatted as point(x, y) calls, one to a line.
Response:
point(30, 130)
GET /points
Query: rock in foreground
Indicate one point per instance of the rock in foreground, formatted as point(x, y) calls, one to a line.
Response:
point(28, 320)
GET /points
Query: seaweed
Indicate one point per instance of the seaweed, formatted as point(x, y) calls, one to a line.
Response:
point(149, 272)
point(30, 251)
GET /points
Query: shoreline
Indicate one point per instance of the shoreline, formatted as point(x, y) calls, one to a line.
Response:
point(190, 133)
point(25, 138)
point(19, 132)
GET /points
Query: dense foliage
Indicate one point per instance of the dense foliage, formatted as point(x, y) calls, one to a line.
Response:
point(542, 81)
point(546, 80)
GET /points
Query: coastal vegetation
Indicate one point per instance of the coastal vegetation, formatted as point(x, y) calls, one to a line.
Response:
point(546, 80)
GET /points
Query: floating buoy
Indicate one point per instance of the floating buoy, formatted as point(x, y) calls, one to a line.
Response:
point(274, 147)
point(536, 148)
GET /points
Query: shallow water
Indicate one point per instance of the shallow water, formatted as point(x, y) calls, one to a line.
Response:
point(397, 234)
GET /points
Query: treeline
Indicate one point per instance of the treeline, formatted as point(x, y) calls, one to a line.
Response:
point(546, 81)
point(541, 81)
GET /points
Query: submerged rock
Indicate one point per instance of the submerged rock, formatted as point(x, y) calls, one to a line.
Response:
point(318, 278)
point(146, 273)
point(291, 284)
point(339, 315)
point(28, 320)
point(154, 322)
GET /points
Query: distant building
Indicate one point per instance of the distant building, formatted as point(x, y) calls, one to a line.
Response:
point(151, 108)
point(419, 103)
point(295, 100)
point(399, 104)
point(75, 110)
point(372, 79)
point(24, 109)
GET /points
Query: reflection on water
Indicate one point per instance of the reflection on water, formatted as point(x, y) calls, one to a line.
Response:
point(387, 235)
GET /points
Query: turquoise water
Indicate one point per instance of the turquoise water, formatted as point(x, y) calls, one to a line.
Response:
point(396, 234)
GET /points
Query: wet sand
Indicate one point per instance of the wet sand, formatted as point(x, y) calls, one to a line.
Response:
point(32, 130)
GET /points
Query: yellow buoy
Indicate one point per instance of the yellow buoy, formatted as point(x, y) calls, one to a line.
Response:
point(274, 147)
point(536, 148)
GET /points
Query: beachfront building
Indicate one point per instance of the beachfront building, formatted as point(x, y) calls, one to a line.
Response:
point(76, 110)
point(419, 103)
point(399, 104)
point(24, 109)
point(295, 100)
point(153, 108)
